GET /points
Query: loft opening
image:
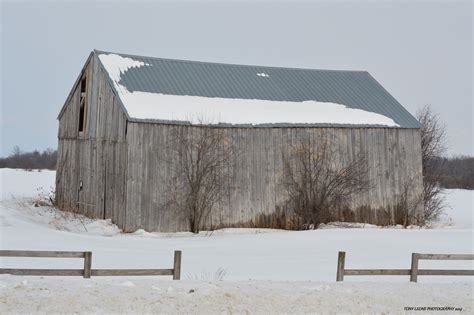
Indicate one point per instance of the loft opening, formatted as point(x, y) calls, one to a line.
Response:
point(83, 106)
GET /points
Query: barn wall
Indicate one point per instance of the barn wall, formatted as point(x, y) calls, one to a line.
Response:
point(125, 171)
point(393, 156)
point(97, 158)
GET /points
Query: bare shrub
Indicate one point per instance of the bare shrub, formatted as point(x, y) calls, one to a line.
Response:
point(201, 167)
point(406, 209)
point(320, 183)
point(218, 275)
point(433, 146)
point(45, 198)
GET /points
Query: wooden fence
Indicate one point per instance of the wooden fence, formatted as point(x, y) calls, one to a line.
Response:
point(414, 272)
point(87, 271)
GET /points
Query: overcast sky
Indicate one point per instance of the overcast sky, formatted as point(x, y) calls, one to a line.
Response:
point(421, 52)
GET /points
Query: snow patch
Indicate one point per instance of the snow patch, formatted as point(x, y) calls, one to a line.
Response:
point(117, 65)
point(356, 225)
point(228, 231)
point(156, 106)
point(20, 211)
point(127, 284)
point(15, 183)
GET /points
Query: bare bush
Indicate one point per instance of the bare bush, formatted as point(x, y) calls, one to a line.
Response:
point(433, 146)
point(201, 166)
point(218, 275)
point(45, 198)
point(406, 208)
point(320, 183)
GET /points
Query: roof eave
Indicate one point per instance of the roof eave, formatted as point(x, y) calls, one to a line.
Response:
point(264, 125)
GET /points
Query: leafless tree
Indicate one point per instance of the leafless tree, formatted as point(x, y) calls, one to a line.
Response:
point(433, 146)
point(201, 167)
point(320, 183)
point(16, 151)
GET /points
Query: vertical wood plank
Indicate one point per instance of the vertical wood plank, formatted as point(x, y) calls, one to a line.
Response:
point(177, 265)
point(87, 264)
point(341, 259)
point(414, 267)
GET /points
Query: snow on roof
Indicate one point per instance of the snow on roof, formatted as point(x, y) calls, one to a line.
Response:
point(116, 66)
point(145, 105)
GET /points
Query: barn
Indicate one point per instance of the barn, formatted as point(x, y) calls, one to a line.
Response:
point(116, 127)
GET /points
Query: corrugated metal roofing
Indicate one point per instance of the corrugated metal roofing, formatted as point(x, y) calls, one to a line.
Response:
point(355, 89)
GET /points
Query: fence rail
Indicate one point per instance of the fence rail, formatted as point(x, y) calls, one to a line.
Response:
point(87, 271)
point(413, 272)
point(33, 253)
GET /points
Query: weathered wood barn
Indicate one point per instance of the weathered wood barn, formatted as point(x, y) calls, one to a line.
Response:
point(114, 131)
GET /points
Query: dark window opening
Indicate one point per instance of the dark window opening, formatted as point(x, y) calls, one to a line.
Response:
point(82, 106)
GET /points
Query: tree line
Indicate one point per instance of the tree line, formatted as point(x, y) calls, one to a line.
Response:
point(457, 172)
point(30, 160)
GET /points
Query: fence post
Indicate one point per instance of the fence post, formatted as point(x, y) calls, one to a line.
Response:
point(87, 264)
point(177, 265)
point(341, 258)
point(414, 267)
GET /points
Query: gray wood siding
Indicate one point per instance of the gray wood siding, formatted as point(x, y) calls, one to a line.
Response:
point(105, 117)
point(125, 172)
point(98, 158)
point(255, 185)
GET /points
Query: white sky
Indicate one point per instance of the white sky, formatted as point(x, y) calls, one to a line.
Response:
point(421, 52)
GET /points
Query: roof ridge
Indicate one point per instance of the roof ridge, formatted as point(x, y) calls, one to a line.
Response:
point(231, 64)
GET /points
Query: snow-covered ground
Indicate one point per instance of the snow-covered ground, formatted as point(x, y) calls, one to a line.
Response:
point(262, 270)
point(113, 296)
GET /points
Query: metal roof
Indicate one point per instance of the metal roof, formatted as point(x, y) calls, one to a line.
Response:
point(355, 89)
